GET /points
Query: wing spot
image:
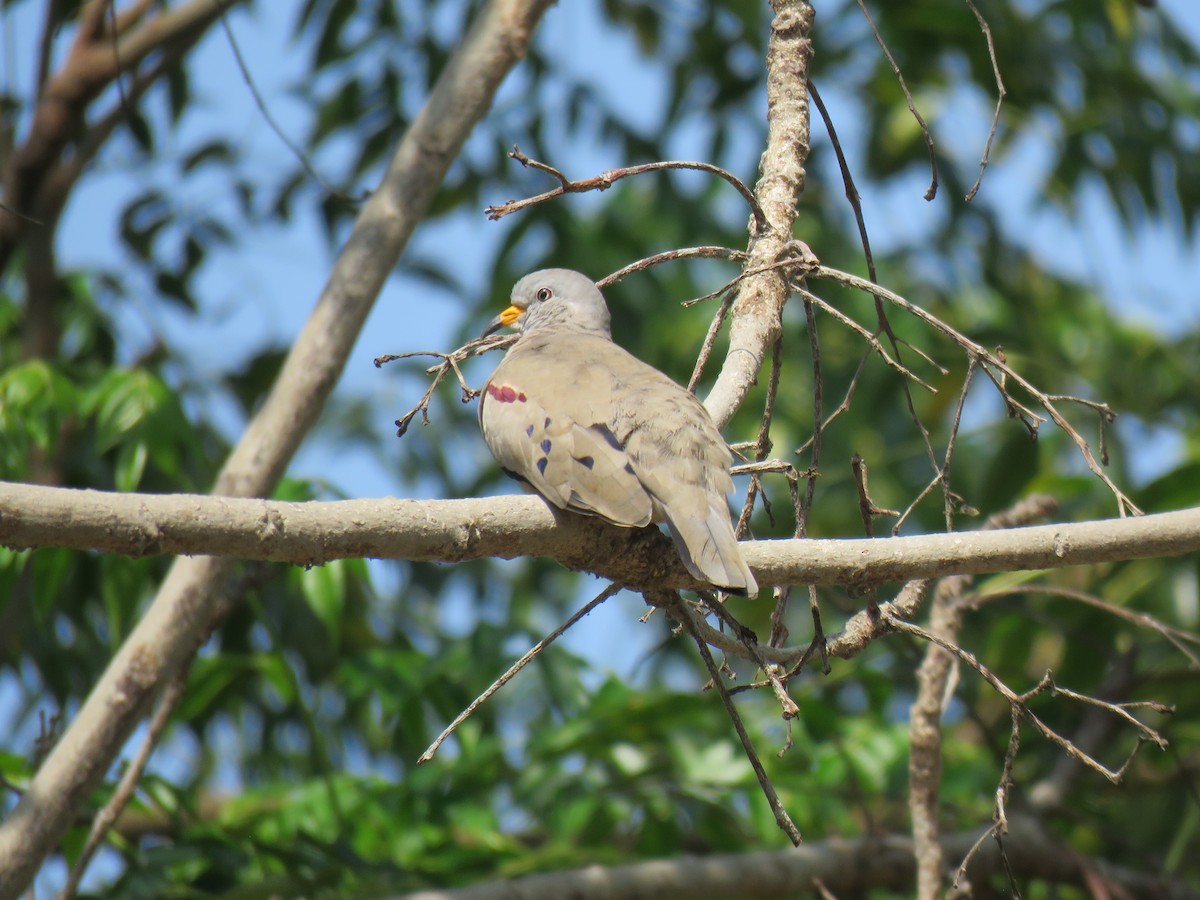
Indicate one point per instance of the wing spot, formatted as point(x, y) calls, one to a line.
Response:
point(546, 445)
point(606, 433)
point(586, 461)
point(541, 465)
point(529, 431)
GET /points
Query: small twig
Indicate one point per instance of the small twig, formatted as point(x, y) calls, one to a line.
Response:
point(931, 192)
point(852, 194)
point(868, 337)
point(999, 827)
point(992, 364)
point(750, 642)
point(649, 262)
point(449, 363)
point(781, 815)
point(516, 667)
point(116, 50)
point(866, 506)
point(1178, 637)
point(804, 506)
point(844, 406)
point(942, 475)
point(710, 340)
point(295, 149)
point(127, 786)
point(1021, 701)
point(1001, 93)
point(605, 180)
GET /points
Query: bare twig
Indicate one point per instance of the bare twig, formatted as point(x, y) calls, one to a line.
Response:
point(1021, 702)
point(868, 337)
point(124, 792)
point(449, 363)
point(265, 111)
point(605, 180)
point(781, 815)
point(931, 192)
point(991, 364)
point(852, 194)
point(671, 256)
point(1001, 93)
point(516, 667)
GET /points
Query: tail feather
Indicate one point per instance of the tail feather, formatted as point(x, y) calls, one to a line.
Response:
point(710, 551)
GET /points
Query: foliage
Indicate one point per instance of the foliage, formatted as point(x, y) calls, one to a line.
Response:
point(308, 707)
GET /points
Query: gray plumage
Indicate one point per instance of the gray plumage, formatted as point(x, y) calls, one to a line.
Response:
point(595, 430)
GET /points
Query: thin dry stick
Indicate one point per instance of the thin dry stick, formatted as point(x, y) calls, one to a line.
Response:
point(710, 340)
point(1021, 700)
point(449, 363)
point(844, 406)
point(992, 363)
point(605, 180)
point(116, 50)
point(127, 786)
point(1001, 93)
point(649, 262)
point(762, 443)
point(999, 827)
point(852, 194)
point(908, 98)
point(295, 149)
point(943, 474)
point(750, 642)
point(1178, 637)
point(781, 815)
point(814, 458)
point(516, 667)
point(868, 337)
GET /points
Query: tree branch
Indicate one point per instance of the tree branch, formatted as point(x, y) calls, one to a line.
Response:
point(756, 320)
point(844, 868)
point(524, 525)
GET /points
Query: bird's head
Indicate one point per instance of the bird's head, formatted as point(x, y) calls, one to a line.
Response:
point(555, 297)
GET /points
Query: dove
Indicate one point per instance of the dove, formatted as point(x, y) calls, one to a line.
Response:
point(594, 430)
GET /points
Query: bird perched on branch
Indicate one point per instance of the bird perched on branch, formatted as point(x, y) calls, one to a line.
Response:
point(595, 430)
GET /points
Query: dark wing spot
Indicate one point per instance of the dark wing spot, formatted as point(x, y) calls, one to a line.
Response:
point(629, 469)
point(606, 433)
point(541, 465)
point(586, 461)
point(547, 424)
point(529, 431)
point(513, 475)
point(546, 445)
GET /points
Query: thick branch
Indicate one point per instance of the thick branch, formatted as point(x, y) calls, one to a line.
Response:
point(524, 525)
point(843, 868)
point(191, 599)
point(757, 311)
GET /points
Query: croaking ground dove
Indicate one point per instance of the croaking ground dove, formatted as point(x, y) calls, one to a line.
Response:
point(595, 430)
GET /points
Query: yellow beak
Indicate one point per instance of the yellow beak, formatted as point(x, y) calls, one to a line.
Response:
point(508, 317)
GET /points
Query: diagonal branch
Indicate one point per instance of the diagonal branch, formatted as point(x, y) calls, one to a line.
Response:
point(757, 311)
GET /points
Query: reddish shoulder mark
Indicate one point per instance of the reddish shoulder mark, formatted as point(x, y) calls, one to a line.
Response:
point(505, 393)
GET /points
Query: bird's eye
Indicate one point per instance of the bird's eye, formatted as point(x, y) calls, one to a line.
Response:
point(543, 294)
